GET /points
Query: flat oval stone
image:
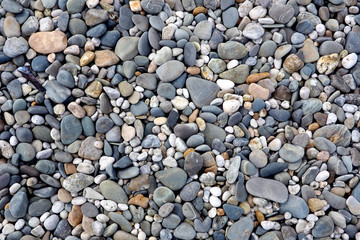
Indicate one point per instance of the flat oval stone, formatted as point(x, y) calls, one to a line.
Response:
point(48, 42)
point(56, 92)
point(173, 178)
point(190, 191)
point(113, 191)
point(241, 230)
point(163, 195)
point(70, 129)
point(18, 205)
point(232, 50)
point(296, 206)
point(338, 134)
point(202, 92)
point(291, 153)
point(39, 207)
point(267, 188)
point(185, 231)
point(281, 13)
point(232, 211)
point(26, 151)
point(170, 70)
point(323, 227)
point(77, 182)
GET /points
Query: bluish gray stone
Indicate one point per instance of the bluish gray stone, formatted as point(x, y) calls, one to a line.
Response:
point(202, 92)
point(323, 227)
point(296, 206)
point(241, 230)
point(70, 129)
point(57, 92)
point(173, 178)
point(151, 141)
point(267, 188)
point(19, 204)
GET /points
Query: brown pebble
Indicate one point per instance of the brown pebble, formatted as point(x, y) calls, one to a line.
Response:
point(225, 155)
point(209, 159)
point(87, 224)
point(193, 70)
point(198, 10)
point(259, 216)
point(64, 195)
point(70, 168)
point(46, 236)
point(255, 77)
point(323, 156)
point(211, 169)
point(139, 200)
point(315, 204)
point(193, 116)
point(220, 212)
point(75, 215)
point(331, 179)
point(189, 150)
point(139, 183)
point(314, 126)
point(338, 191)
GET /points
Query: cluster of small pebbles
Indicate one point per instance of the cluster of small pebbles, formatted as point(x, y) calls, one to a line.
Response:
point(179, 119)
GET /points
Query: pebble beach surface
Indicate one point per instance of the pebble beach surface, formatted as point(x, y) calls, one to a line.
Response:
point(179, 119)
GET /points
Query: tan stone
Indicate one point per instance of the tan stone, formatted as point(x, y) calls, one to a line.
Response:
point(209, 159)
point(139, 183)
point(293, 63)
point(160, 120)
point(127, 132)
point(94, 89)
point(201, 124)
point(76, 110)
point(206, 73)
point(86, 58)
point(48, 42)
point(87, 224)
point(258, 91)
point(135, 6)
point(105, 58)
point(90, 110)
point(75, 215)
point(259, 216)
point(199, 10)
point(193, 116)
point(338, 191)
point(315, 204)
point(327, 64)
point(323, 156)
point(212, 169)
point(64, 195)
point(11, 27)
point(193, 70)
point(311, 53)
point(139, 200)
point(253, 78)
point(70, 168)
point(134, 98)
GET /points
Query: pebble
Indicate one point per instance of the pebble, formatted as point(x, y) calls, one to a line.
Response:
point(260, 187)
point(179, 119)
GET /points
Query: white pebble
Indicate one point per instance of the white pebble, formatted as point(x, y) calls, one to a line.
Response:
point(215, 201)
point(349, 61)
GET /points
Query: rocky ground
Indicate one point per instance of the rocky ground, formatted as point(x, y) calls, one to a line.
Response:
point(179, 119)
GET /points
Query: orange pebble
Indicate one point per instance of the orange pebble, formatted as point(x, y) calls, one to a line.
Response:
point(189, 150)
point(253, 78)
